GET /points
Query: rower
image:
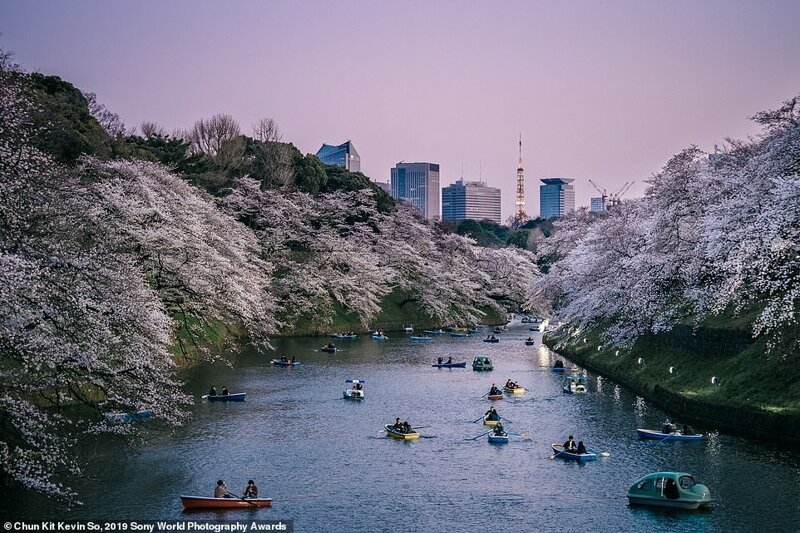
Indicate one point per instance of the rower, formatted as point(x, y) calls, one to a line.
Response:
point(667, 427)
point(213, 391)
point(494, 390)
point(688, 430)
point(294, 358)
point(570, 446)
point(407, 427)
point(225, 391)
point(498, 429)
point(581, 449)
point(491, 414)
point(439, 360)
point(449, 360)
point(398, 425)
point(559, 364)
point(221, 490)
point(509, 385)
point(251, 491)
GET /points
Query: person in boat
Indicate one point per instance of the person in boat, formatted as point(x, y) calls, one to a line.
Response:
point(559, 364)
point(488, 337)
point(494, 390)
point(529, 339)
point(688, 430)
point(225, 391)
point(581, 449)
point(398, 425)
point(284, 359)
point(251, 491)
point(671, 489)
point(668, 427)
point(407, 427)
point(294, 359)
point(221, 490)
point(449, 360)
point(439, 360)
point(498, 429)
point(213, 391)
point(358, 386)
point(509, 385)
point(491, 414)
point(570, 445)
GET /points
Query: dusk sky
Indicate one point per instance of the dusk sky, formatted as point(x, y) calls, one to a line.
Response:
point(601, 90)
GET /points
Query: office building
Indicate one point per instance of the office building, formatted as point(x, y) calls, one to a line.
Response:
point(470, 200)
point(598, 204)
point(418, 184)
point(386, 186)
point(343, 155)
point(556, 197)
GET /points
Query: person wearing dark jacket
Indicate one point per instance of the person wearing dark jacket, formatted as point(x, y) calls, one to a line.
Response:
point(570, 445)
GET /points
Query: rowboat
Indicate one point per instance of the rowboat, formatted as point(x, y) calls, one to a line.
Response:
point(495, 396)
point(420, 338)
point(675, 435)
point(399, 434)
point(498, 439)
point(497, 330)
point(529, 343)
point(574, 385)
point(345, 336)
point(473, 330)
point(433, 332)
point(481, 362)
point(533, 329)
point(675, 490)
point(558, 368)
point(278, 362)
point(329, 349)
point(514, 390)
point(462, 364)
point(459, 334)
point(379, 337)
point(487, 422)
point(201, 502)
point(559, 451)
point(237, 397)
point(491, 340)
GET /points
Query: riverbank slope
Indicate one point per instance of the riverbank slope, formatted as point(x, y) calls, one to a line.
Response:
point(758, 392)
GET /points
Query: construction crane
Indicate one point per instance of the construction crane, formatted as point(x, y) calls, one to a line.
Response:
point(602, 192)
point(616, 197)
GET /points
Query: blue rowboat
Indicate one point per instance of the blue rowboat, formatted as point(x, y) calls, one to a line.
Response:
point(462, 364)
point(278, 362)
point(380, 338)
point(433, 331)
point(558, 451)
point(459, 334)
point(237, 397)
point(498, 439)
point(422, 338)
point(328, 349)
point(675, 435)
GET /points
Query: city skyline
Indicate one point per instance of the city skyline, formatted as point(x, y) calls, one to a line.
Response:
point(607, 91)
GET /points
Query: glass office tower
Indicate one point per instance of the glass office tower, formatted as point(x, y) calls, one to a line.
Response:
point(556, 197)
point(470, 200)
point(418, 184)
point(343, 155)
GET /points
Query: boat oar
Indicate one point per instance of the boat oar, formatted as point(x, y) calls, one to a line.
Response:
point(481, 435)
point(523, 435)
point(479, 419)
point(244, 500)
point(553, 456)
point(506, 419)
point(420, 427)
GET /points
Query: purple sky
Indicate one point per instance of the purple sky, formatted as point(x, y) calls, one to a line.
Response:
point(601, 90)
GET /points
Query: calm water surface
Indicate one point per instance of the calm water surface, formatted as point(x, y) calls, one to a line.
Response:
point(329, 467)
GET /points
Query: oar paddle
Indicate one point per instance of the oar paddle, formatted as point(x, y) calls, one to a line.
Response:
point(420, 427)
point(479, 419)
point(507, 420)
point(481, 435)
point(244, 500)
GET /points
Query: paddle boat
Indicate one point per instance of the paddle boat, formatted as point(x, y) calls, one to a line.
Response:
point(395, 434)
point(514, 390)
point(433, 332)
point(559, 451)
point(329, 348)
point(675, 490)
point(379, 336)
point(460, 364)
point(575, 384)
point(673, 435)
point(420, 338)
point(127, 418)
point(482, 362)
point(278, 362)
point(558, 366)
point(201, 502)
point(492, 340)
point(356, 392)
point(459, 334)
point(236, 397)
point(498, 438)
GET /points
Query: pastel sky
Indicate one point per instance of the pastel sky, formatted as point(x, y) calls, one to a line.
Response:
point(606, 90)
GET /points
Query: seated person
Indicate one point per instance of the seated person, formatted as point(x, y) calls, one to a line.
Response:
point(225, 391)
point(213, 391)
point(570, 445)
point(449, 360)
point(667, 427)
point(407, 427)
point(251, 491)
point(559, 364)
point(439, 360)
point(494, 390)
point(688, 430)
point(581, 449)
point(397, 424)
point(498, 430)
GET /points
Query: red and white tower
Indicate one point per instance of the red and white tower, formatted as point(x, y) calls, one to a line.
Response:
point(519, 212)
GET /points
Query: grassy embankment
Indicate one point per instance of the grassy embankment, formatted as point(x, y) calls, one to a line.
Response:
point(758, 394)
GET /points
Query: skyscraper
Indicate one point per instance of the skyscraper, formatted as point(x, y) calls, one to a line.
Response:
point(598, 204)
point(470, 200)
point(556, 197)
point(343, 155)
point(418, 183)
